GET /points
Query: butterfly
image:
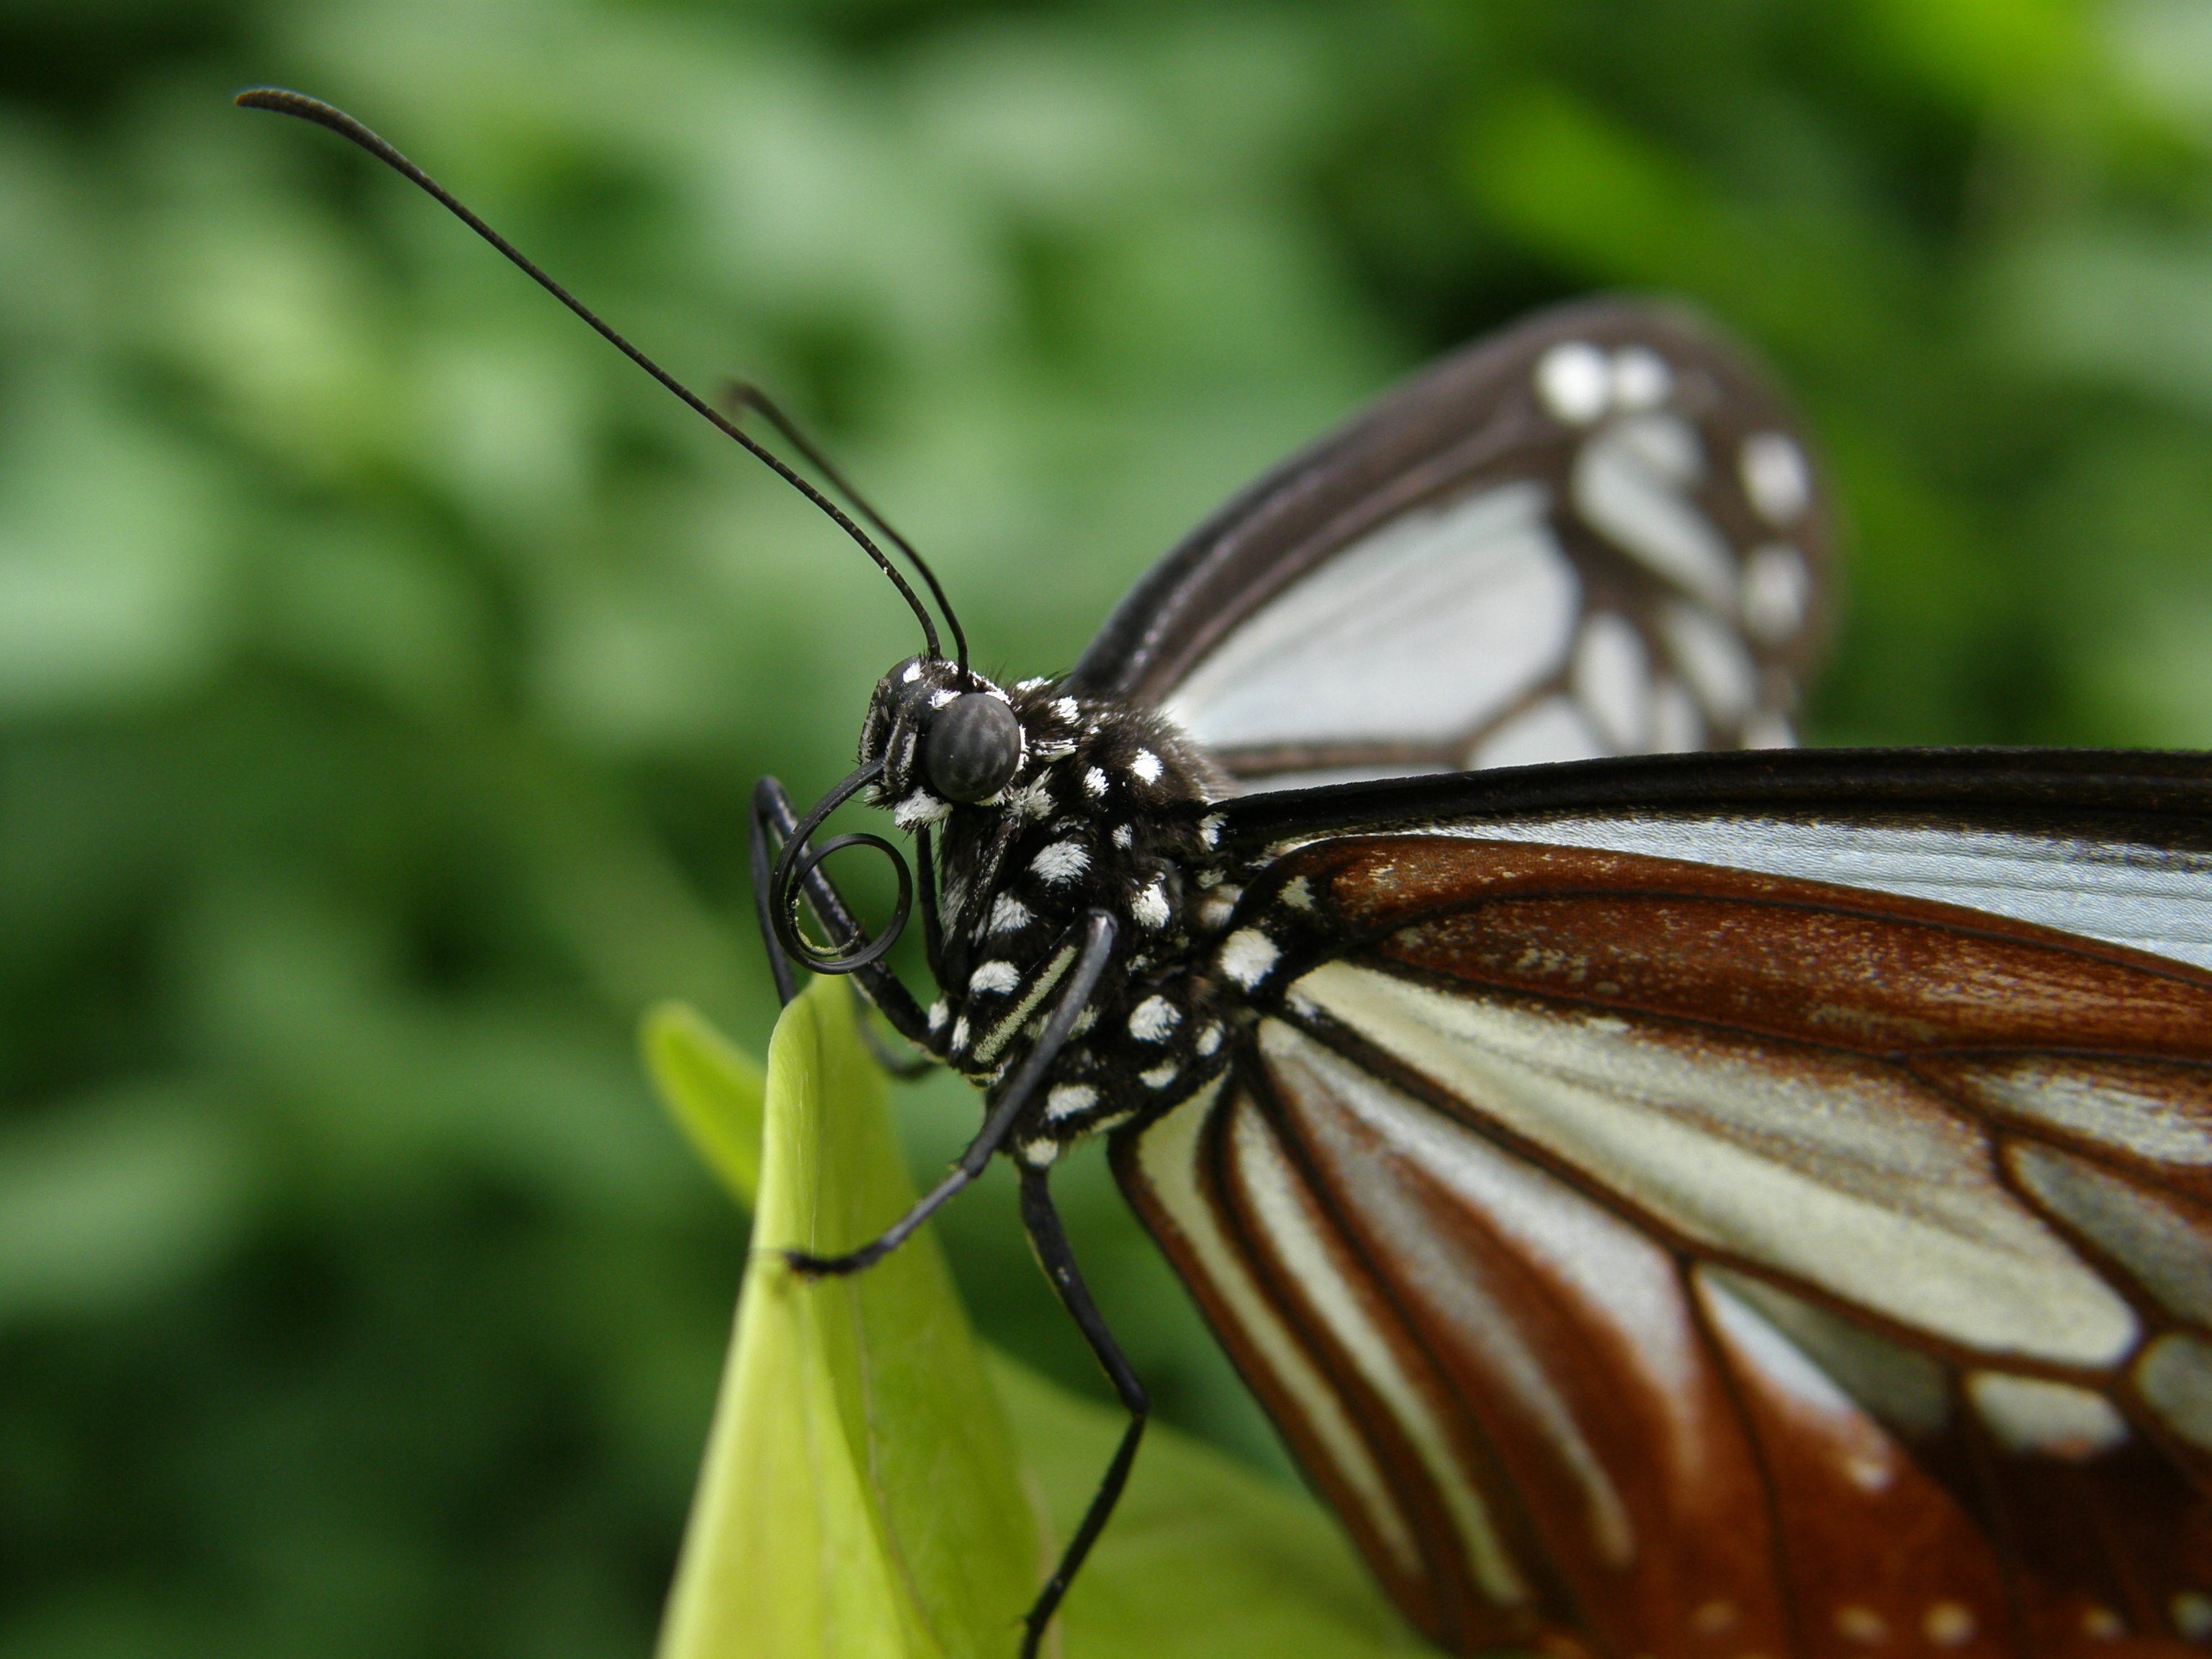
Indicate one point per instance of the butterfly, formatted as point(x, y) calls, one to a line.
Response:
point(1675, 1195)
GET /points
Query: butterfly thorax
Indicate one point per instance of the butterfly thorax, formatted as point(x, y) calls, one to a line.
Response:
point(1109, 808)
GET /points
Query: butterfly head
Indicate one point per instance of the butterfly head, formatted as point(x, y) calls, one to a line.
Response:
point(946, 737)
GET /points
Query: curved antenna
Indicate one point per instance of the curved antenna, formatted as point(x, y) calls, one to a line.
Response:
point(741, 395)
point(302, 107)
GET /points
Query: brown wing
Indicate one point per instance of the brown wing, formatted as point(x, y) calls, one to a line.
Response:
point(1652, 1259)
point(1597, 532)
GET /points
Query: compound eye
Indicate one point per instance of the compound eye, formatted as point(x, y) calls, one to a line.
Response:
point(974, 748)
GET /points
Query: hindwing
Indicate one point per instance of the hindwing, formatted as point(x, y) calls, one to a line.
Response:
point(1597, 532)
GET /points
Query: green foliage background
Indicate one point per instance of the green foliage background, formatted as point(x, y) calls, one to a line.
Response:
point(383, 664)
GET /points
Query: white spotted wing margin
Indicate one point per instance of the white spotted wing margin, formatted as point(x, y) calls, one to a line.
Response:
point(1651, 1257)
point(1597, 532)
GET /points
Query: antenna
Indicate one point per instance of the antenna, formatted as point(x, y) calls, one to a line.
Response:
point(740, 396)
point(302, 107)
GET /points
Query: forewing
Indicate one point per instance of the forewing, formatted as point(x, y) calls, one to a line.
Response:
point(1598, 533)
point(1703, 1261)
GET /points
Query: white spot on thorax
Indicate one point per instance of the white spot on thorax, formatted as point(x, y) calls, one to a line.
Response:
point(1009, 914)
point(1247, 954)
point(1062, 861)
point(938, 1014)
point(1146, 766)
point(912, 674)
point(1209, 829)
point(1066, 1099)
point(1161, 1075)
point(1575, 381)
point(996, 977)
point(1123, 836)
point(939, 698)
point(1150, 1020)
point(1065, 708)
point(1094, 783)
point(1149, 906)
point(919, 809)
point(1209, 1041)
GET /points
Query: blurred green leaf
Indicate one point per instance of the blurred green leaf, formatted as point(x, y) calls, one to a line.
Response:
point(117, 1198)
point(713, 1089)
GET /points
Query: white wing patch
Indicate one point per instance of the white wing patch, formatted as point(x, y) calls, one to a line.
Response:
point(1585, 601)
point(1281, 1212)
point(2028, 1414)
point(1612, 1267)
point(1775, 477)
point(2121, 893)
point(1831, 1168)
point(1169, 1156)
point(1866, 1456)
point(1553, 730)
point(1612, 680)
point(1631, 481)
point(1778, 591)
point(1422, 632)
point(1712, 657)
point(2131, 1108)
point(2165, 1245)
point(2175, 1374)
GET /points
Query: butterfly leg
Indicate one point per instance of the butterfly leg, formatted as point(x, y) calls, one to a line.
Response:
point(772, 824)
point(771, 808)
point(907, 1066)
point(1095, 952)
point(1050, 1242)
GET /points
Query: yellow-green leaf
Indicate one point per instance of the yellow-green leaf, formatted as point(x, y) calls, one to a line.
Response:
point(1205, 1560)
point(860, 1496)
point(712, 1088)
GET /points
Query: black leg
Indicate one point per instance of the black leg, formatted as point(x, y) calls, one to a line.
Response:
point(904, 1067)
point(773, 824)
point(1096, 950)
point(1050, 1243)
point(769, 803)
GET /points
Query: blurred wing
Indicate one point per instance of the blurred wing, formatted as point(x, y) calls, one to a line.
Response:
point(1652, 1257)
point(1597, 534)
